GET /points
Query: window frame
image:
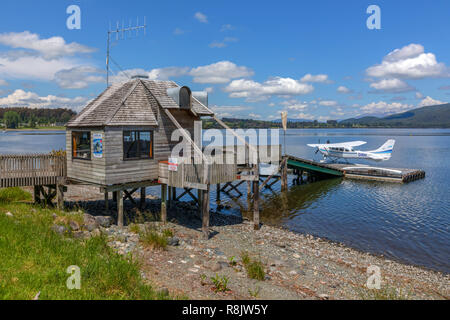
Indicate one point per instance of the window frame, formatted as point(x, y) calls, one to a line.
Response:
point(90, 145)
point(139, 157)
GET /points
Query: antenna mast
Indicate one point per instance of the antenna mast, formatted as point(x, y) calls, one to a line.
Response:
point(121, 31)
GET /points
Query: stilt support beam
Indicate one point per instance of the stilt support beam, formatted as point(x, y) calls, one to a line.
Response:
point(119, 195)
point(164, 203)
point(205, 213)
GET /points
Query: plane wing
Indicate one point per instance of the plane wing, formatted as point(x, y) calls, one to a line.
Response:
point(339, 145)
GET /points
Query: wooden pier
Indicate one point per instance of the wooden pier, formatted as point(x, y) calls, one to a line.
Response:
point(352, 171)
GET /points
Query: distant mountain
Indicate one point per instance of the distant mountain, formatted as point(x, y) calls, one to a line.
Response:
point(425, 117)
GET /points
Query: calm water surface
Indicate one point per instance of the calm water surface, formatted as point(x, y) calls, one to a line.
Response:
point(408, 222)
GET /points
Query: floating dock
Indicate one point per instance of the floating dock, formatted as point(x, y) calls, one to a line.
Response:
point(353, 171)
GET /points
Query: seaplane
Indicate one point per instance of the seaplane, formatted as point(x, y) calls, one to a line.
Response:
point(345, 150)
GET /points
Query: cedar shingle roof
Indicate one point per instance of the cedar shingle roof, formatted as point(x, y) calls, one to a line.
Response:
point(131, 103)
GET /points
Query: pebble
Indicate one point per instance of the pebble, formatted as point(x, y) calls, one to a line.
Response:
point(216, 267)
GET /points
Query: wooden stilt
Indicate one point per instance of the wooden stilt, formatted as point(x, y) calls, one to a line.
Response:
point(199, 201)
point(218, 193)
point(174, 193)
point(106, 202)
point(205, 213)
point(169, 195)
point(249, 189)
point(284, 177)
point(256, 205)
point(164, 203)
point(60, 196)
point(37, 194)
point(142, 200)
point(119, 195)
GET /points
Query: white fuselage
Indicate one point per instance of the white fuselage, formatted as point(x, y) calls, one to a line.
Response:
point(349, 153)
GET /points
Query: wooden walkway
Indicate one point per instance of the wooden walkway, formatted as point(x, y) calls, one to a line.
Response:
point(353, 171)
point(31, 170)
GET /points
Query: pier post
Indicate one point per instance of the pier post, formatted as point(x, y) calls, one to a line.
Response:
point(199, 202)
point(142, 200)
point(174, 193)
point(218, 193)
point(205, 212)
point(119, 197)
point(249, 189)
point(256, 224)
point(60, 196)
point(164, 203)
point(106, 202)
point(37, 194)
point(169, 195)
point(284, 176)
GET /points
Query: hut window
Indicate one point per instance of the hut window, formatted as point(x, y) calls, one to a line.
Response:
point(138, 145)
point(81, 145)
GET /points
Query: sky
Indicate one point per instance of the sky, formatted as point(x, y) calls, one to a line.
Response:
point(317, 60)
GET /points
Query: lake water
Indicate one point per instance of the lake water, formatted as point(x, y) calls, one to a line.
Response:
point(406, 222)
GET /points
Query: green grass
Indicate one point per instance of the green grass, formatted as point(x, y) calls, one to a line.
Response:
point(384, 293)
point(14, 195)
point(254, 268)
point(35, 259)
point(153, 239)
point(220, 283)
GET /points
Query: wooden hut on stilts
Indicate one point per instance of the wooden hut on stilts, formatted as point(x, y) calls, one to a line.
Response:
point(122, 141)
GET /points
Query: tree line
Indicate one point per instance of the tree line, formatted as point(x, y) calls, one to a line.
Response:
point(14, 118)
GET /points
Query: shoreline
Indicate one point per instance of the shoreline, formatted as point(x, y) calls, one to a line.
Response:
point(297, 266)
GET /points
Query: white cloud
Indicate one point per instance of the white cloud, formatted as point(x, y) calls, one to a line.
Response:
point(419, 95)
point(178, 31)
point(254, 115)
point(231, 111)
point(392, 86)
point(224, 43)
point(255, 91)
point(31, 67)
point(321, 78)
point(383, 107)
point(294, 104)
point(50, 59)
point(409, 62)
point(220, 72)
point(21, 98)
point(227, 27)
point(328, 103)
point(79, 77)
point(201, 17)
point(428, 101)
point(167, 73)
point(51, 48)
point(343, 89)
point(303, 116)
point(216, 73)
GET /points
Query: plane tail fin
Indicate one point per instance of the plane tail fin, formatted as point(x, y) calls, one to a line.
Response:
point(386, 148)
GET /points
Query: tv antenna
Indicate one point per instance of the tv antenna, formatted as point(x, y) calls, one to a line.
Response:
point(121, 33)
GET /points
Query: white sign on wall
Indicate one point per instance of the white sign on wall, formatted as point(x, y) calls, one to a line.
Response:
point(173, 164)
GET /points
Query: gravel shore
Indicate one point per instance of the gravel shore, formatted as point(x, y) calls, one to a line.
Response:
point(296, 266)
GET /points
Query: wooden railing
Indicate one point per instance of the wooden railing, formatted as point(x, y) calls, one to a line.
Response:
point(190, 175)
point(31, 170)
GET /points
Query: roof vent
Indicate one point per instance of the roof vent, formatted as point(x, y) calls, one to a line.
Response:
point(201, 96)
point(182, 96)
point(139, 76)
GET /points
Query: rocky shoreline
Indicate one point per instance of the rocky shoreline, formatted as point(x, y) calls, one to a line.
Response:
point(296, 266)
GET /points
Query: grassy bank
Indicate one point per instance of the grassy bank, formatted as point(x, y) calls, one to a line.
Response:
point(35, 259)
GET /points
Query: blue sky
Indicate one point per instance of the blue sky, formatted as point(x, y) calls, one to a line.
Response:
point(314, 59)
